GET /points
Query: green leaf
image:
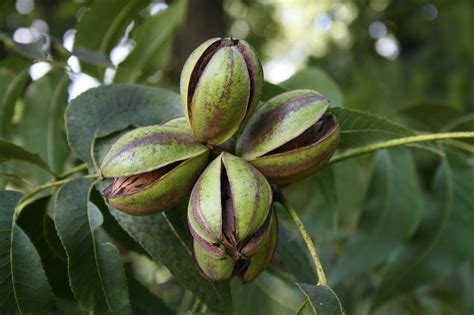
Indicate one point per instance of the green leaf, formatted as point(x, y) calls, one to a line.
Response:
point(294, 256)
point(322, 299)
point(23, 284)
point(10, 151)
point(41, 125)
point(330, 197)
point(302, 309)
point(360, 129)
point(111, 226)
point(390, 214)
point(154, 42)
point(11, 88)
point(315, 79)
point(165, 236)
point(100, 30)
point(266, 295)
point(34, 220)
point(33, 50)
point(443, 240)
point(111, 108)
point(143, 301)
point(427, 116)
point(270, 90)
point(115, 298)
point(96, 274)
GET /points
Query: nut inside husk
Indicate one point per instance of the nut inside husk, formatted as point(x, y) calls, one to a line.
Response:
point(228, 239)
point(221, 266)
point(129, 185)
point(324, 127)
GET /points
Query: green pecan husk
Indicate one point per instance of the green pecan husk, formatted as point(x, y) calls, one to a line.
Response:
point(152, 168)
point(290, 136)
point(229, 216)
point(220, 87)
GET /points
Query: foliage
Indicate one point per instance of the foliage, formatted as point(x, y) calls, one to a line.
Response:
point(392, 225)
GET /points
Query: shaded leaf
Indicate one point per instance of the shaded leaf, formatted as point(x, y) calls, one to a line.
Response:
point(35, 50)
point(360, 129)
point(11, 87)
point(302, 309)
point(10, 151)
point(143, 301)
point(33, 220)
point(100, 29)
point(315, 79)
point(428, 116)
point(266, 295)
point(294, 256)
point(166, 238)
point(443, 240)
point(41, 125)
point(52, 238)
point(115, 107)
point(270, 90)
point(95, 270)
point(115, 298)
point(23, 284)
point(111, 226)
point(322, 299)
point(329, 198)
point(154, 42)
point(390, 214)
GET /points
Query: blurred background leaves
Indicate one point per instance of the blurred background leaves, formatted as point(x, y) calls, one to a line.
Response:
point(394, 229)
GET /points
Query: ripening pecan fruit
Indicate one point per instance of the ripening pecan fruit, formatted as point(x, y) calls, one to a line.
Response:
point(220, 266)
point(230, 206)
point(152, 168)
point(220, 86)
point(290, 136)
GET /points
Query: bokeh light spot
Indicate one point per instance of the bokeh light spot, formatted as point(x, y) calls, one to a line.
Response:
point(278, 70)
point(323, 22)
point(25, 6)
point(240, 29)
point(39, 70)
point(387, 47)
point(377, 30)
point(429, 11)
